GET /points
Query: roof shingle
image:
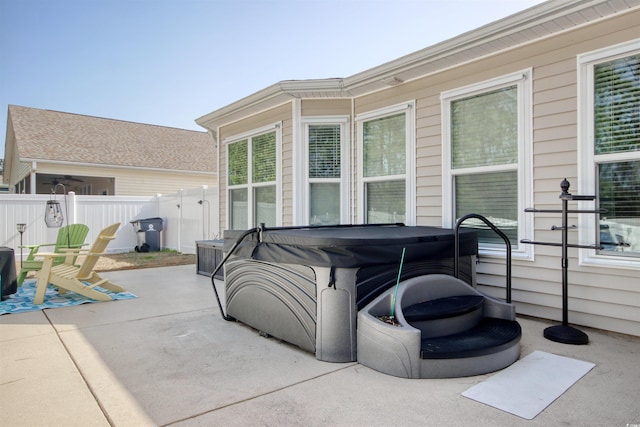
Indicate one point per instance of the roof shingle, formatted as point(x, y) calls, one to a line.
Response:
point(56, 136)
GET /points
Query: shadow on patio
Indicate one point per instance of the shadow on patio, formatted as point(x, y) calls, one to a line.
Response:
point(167, 358)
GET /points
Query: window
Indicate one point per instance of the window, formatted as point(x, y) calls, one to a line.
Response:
point(610, 153)
point(252, 179)
point(386, 166)
point(486, 158)
point(326, 160)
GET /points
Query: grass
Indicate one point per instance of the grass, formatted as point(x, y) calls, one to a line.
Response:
point(135, 260)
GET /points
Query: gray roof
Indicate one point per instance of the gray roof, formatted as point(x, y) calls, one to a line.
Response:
point(54, 136)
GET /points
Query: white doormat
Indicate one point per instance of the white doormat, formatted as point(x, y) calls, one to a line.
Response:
point(531, 384)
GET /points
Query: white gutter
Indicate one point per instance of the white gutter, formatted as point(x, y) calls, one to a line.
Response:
point(371, 80)
point(279, 93)
point(534, 16)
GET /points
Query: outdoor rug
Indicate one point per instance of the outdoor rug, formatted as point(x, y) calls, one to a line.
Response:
point(531, 384)
point(22, 301)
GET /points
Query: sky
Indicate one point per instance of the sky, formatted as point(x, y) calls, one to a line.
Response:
point(168, 62)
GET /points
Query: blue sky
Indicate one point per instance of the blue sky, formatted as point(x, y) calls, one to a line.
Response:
point(168, 62)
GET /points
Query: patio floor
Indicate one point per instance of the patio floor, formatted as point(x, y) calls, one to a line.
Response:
point(167, 358)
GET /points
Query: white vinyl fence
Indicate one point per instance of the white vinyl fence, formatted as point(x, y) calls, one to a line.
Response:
point(188, 216)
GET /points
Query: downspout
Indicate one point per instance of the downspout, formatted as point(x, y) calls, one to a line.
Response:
point(216, 140)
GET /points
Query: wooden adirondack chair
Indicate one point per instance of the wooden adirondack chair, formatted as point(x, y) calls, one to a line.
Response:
point(70, 236)
point(82, 280)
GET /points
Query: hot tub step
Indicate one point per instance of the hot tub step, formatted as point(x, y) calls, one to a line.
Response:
point(442, 308)
point(445, 316)
point(489, 336)
point(482, 337)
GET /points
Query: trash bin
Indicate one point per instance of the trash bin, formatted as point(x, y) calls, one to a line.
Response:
point(148, 234)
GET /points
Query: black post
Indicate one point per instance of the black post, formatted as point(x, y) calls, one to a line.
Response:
point(565, 257)
point(564, 333)
point(21, 227)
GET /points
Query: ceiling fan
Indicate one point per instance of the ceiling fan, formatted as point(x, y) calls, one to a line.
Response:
point(65, 179)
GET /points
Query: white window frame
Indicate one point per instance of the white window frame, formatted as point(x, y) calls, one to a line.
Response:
point(250, 186)
point(588, 161)
point(345, 165)
point(408, 108)
point(523, 81)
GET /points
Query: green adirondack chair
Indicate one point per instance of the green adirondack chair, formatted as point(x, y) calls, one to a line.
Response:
point(81, 279)
point(70, 236)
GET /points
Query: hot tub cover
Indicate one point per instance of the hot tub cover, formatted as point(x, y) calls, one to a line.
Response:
point(351, 246)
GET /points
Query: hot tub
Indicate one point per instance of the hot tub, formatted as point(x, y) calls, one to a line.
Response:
point(306, 285)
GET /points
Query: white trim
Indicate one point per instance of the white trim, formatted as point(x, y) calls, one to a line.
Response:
point(484, 169)
point(345, 165)
point(609, 53)
point(297, 173)
point(218, 185)
point(486, 85)
point(386, 111)
point(279, 174)
point(523, 79)
point(587, 160)
point(409, 109)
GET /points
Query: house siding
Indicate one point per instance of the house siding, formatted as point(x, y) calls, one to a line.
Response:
point(22, 169)
point(595, 299)
point(601, 297)
point(324, 107)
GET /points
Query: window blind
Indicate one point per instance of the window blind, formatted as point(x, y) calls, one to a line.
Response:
point(385, 201)
point(263, 156)
point(492, 195)
point(384, 146)
point(238, 163)
point(324, 151)
point(484, 129)
point(617, 105)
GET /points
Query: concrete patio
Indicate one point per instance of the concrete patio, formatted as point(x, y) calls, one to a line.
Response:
point(168, 358)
